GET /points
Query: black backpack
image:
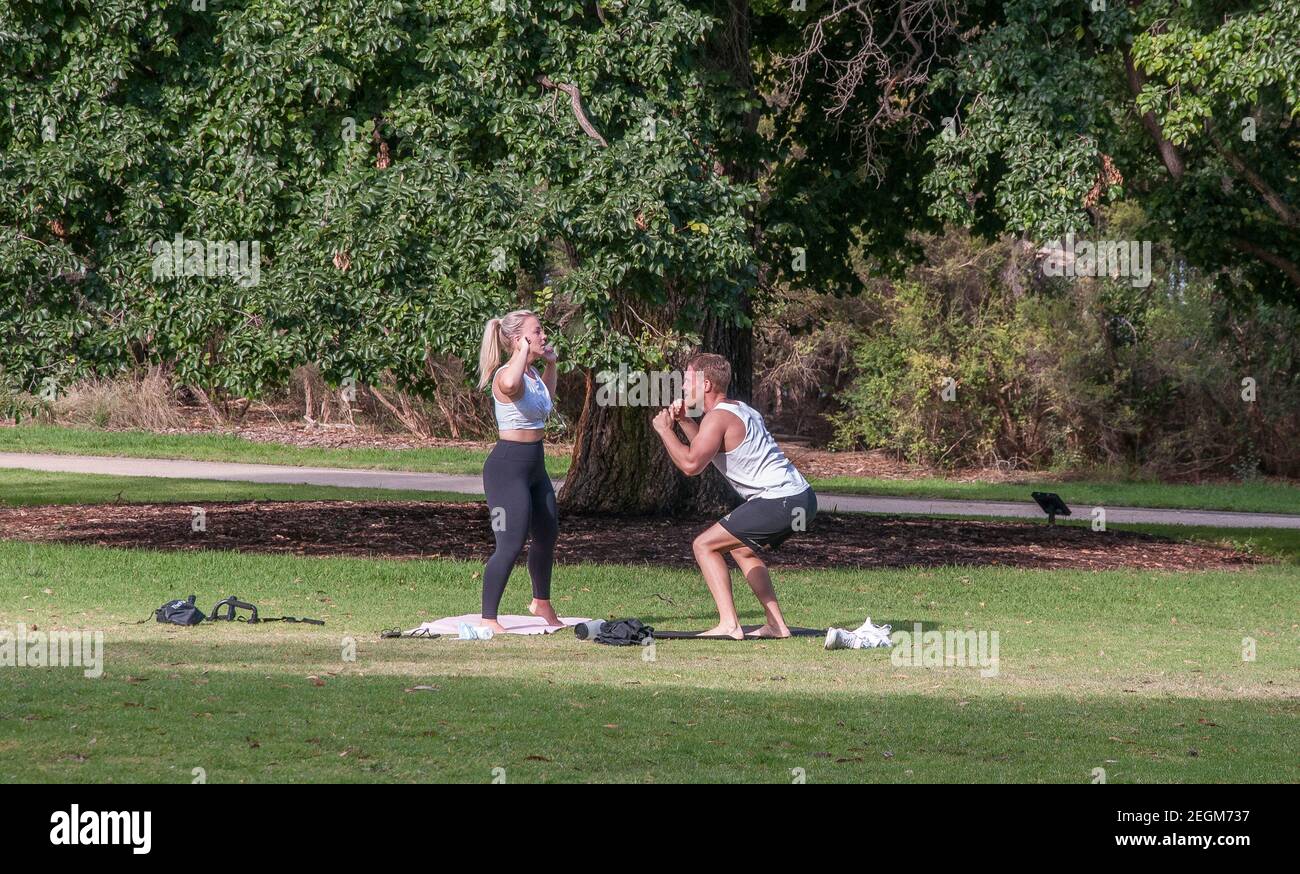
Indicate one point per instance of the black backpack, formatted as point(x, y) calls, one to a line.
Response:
point(179, 613)
point(625, 632)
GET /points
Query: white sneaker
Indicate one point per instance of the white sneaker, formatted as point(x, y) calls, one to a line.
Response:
point(838, 638)
point(869, 635)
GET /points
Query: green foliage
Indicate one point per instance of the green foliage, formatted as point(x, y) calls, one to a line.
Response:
point(1053, 374)
point(1051, 103)
point(20, 406)
point(399, 164)
point(903, 398)
point(1215, 71)
point(825, 191)
point(1022, 149)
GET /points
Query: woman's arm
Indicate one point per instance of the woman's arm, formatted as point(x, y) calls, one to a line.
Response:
point(550, 356)
point(510, 379)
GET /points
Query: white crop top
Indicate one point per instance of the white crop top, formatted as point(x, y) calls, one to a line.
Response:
point(530, 411)
point(757, 467)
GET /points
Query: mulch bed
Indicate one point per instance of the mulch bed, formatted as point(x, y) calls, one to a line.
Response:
point(412, 529)
point(283, 426)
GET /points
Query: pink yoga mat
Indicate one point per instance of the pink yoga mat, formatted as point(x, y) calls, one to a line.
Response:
point(513, 624)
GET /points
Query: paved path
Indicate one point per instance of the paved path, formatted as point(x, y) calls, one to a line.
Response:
point(441, 482)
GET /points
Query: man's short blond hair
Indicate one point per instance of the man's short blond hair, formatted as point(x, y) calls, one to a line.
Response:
point(715, 369)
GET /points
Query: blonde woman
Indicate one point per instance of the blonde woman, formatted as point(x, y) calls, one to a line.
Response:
point(521, 500)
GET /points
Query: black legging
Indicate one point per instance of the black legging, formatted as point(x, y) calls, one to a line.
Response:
point(521, 501)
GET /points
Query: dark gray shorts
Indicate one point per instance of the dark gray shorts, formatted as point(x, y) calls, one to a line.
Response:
point(766, 523)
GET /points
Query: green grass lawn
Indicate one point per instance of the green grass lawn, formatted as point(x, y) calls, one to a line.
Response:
point(1139, 673)
point(226, 447)
point(29, 488)
point(1261, 497)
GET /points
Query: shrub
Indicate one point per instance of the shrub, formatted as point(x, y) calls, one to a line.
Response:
point(1056, 374)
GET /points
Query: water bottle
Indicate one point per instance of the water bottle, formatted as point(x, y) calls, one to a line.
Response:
point(588, 630)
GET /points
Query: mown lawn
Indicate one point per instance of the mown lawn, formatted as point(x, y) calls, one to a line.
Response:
point(29, 488)
point(227, 447)
point(1139, 673)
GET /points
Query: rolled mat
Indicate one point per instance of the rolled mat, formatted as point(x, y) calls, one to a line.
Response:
point(696, 635)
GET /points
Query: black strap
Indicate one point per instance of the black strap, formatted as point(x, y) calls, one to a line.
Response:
point(417, 633)
point(153, 617)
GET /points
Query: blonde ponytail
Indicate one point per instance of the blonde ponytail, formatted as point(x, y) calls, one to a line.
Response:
point(489, 353)
point(498, 338)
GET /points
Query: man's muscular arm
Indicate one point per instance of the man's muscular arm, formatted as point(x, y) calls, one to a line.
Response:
point(705, 444)
point(688, 425)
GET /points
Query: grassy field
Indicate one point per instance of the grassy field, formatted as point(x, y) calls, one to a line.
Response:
point(1139, 673)
point(29, 488)
point(1259, 496)
point(1282, 544)
point(225, 447)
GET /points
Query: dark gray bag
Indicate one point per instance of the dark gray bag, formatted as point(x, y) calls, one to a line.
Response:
point(180, 613)
point(625, 632)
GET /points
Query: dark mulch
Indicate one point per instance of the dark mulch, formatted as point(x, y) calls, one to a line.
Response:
point(410, 529)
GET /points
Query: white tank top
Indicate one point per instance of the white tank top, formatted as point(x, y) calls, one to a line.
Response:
point(530, 411)
point(757, 467)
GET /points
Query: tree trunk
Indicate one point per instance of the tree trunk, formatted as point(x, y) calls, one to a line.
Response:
point(619, 466)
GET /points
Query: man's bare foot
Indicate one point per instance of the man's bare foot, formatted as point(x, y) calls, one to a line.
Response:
point(733, 631)
point(770, 631)
point(497, 627)
point(545, 611)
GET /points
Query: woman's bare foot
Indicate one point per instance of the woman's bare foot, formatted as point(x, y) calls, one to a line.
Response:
point(733, 631)
point(770, 631)
point(497, 627)
point(545, 611)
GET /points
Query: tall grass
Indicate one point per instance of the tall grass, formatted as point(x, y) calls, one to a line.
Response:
point(144, 400)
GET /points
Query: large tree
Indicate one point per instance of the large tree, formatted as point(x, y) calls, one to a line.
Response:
point(407, 170)
point(1189, 108)
point(1029, 116)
